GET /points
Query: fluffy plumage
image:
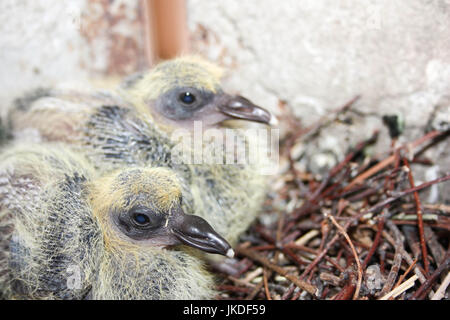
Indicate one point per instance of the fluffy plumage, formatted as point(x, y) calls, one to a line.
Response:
point(58, 239)
point(134, 127)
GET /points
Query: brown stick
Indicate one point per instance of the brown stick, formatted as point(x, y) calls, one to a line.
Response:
point(384, 163)
point(404, 193)
point(266, 284)
point(437, 251)
point(397, 259)
point(346, 293)
point(255, 291)
point(358, 263)
point(352, 154)
point(370, 172)
point(256, 257)
point(375, 243)
point(419, 218)
point(406, 256)
point(315, 252)
point(403, 276)
point(426, 286)
point(319, 256)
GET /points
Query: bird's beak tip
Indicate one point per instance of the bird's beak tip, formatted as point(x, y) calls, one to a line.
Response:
point(273, 121)
point(230, 253)
point(238, 107)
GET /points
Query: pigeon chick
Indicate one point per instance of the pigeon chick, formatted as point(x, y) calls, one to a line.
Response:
point(141, 126)
point(67, 234)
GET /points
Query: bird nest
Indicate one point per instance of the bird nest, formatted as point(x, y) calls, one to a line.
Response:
point(360, 231)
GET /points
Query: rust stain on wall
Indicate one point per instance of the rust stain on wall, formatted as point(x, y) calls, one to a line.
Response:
point(114, 32)
point(202, 39)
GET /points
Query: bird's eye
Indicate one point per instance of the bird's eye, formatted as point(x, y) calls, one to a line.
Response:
point(187, 98)
point(141, 219)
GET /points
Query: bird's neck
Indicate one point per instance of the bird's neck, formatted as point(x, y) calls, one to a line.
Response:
point(150, 274)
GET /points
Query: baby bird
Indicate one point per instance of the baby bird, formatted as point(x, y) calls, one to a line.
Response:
point(136, 126)
point(67, 234)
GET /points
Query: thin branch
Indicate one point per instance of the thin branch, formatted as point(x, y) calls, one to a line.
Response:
point(397, 258)
point(419, 218)
point(401, 288)
point(360, 272)
point(426, 287)
point(311, 289)
point(440, 293)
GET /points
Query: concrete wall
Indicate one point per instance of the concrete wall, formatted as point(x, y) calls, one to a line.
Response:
point(317, 54)
point(48, 42)
point(314, 56)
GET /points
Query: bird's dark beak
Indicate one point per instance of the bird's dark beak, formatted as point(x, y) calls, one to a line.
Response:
point(241, 108)
point(196, 232)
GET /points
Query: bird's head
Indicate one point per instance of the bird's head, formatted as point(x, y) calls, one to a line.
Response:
point(178, 92)
point(141, 207)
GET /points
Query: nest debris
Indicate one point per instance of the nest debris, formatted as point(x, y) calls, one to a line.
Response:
point(358, 232)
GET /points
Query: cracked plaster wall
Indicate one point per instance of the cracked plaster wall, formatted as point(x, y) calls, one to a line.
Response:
point(54, 43)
